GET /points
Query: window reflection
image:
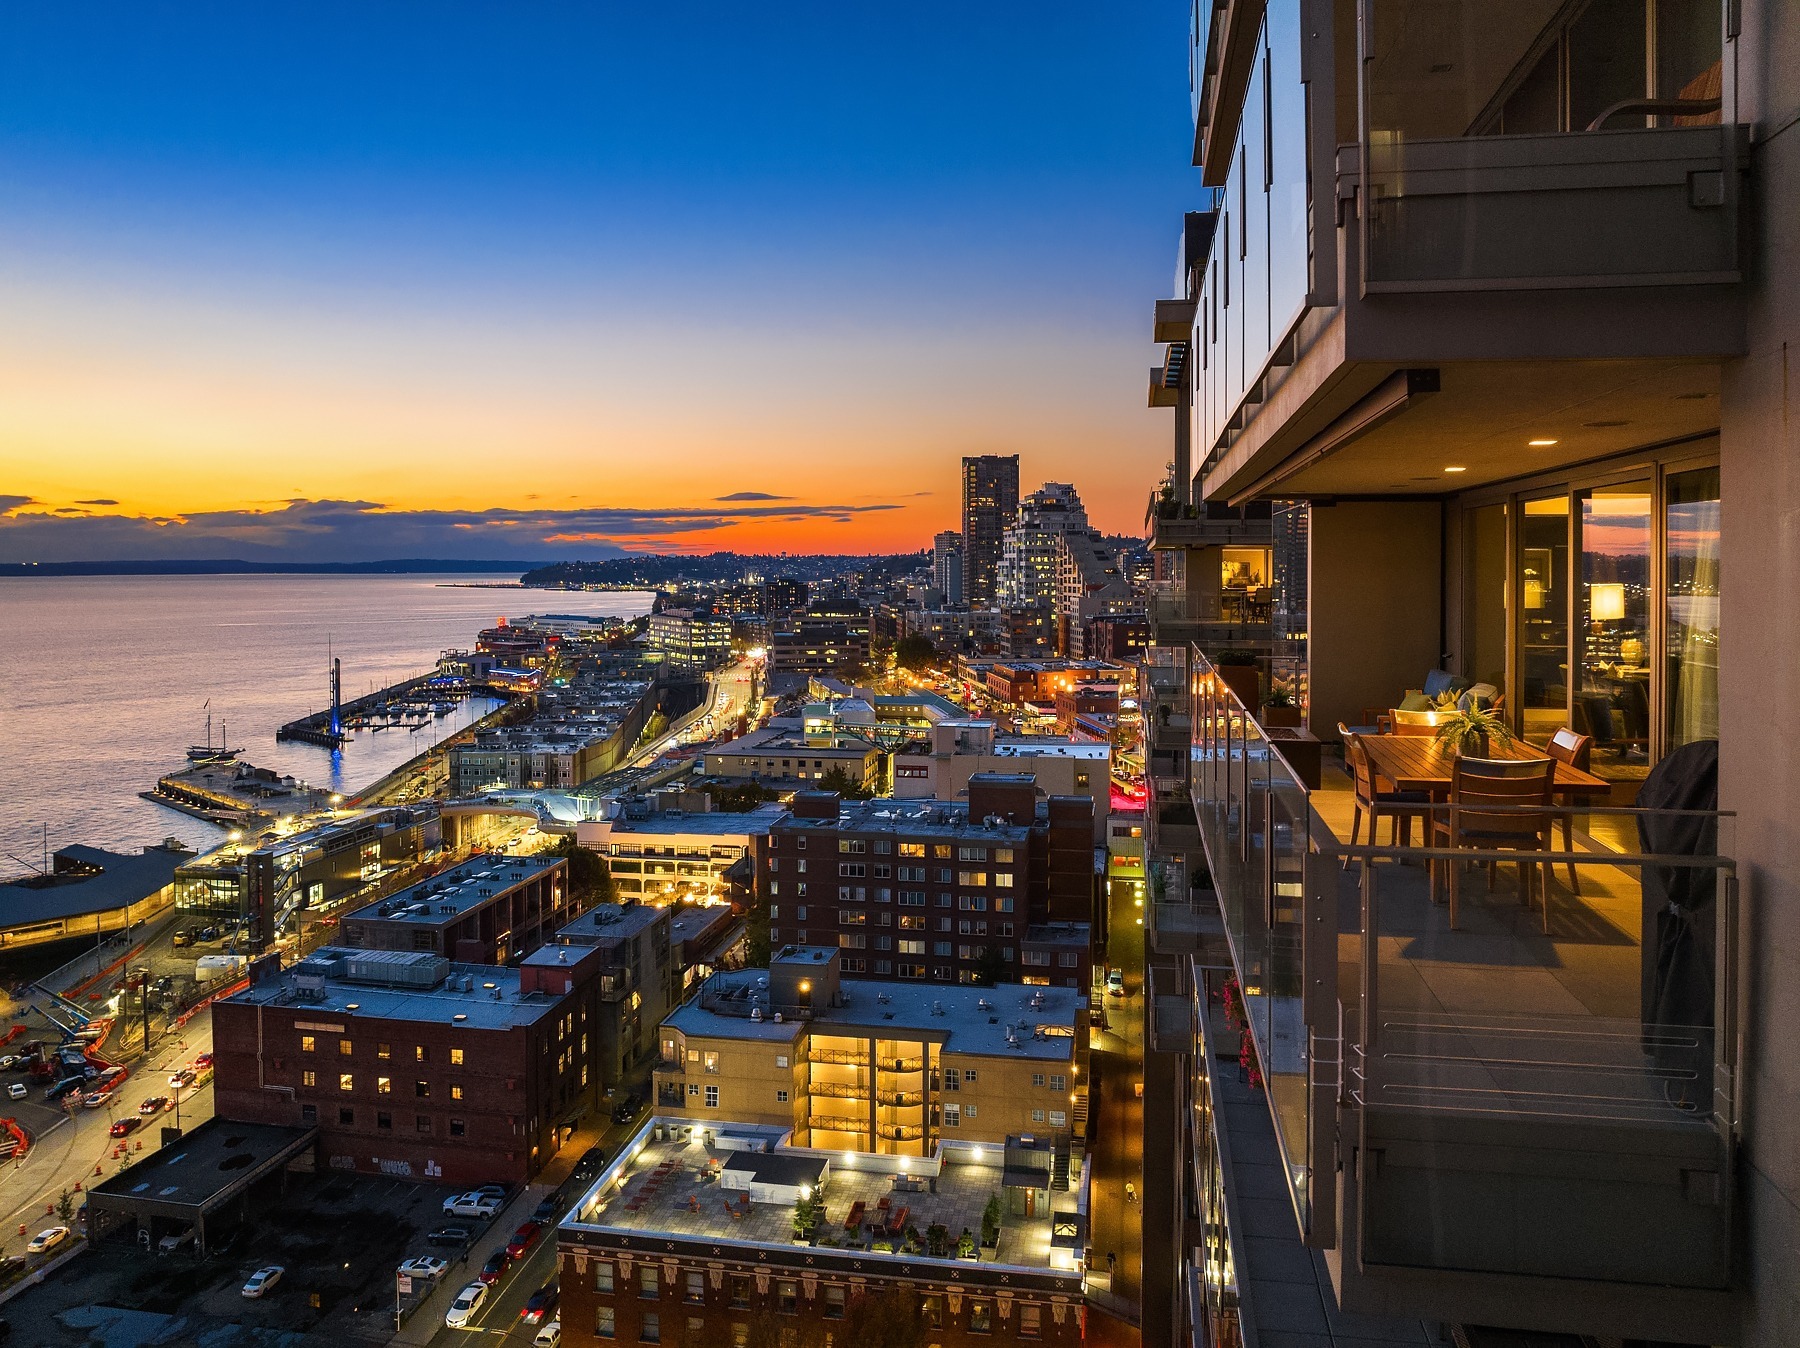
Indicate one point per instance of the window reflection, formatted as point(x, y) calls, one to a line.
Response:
point(1544, 617)
point(1692, 531)
point(1612, 703)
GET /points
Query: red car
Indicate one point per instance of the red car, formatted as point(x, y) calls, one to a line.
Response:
point(523, 1239)
point(204, 1061)
point(126, 1126)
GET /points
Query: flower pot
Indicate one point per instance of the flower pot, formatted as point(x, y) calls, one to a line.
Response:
point(1283, 716)
point(1243, 680)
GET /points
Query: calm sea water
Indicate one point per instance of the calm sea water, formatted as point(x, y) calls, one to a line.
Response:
point(103, 680)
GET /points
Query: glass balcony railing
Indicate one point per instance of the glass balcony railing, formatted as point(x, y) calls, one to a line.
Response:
point(1518, 145)
point(1536, 1050)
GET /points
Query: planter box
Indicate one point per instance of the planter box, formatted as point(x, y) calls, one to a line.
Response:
point(1244, 680)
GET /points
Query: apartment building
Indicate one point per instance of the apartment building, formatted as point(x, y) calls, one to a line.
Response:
point(871, 1066)
point(1496, 302)
point(410, 1065)
point(623, 956)
point(931, 891)
point(671, 856)
point(486, 910)
point(990, 499)
point(1026, 575)
point(783, 753)
point(690, 638)
point(939, 764)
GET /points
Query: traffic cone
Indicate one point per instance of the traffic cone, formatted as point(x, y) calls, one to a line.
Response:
point(77, 1186)
point(96, 1170)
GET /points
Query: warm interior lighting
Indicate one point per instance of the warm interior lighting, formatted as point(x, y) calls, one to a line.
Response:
point(1606, 602)
point(1540, 444)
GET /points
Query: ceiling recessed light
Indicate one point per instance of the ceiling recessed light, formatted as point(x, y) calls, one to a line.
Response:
point(1456, 468)
point(1540, 444)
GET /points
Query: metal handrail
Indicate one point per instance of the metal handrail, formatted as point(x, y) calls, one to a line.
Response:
point(1657, 107)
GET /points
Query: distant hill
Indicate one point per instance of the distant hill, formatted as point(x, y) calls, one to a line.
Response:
point(653, 569)
point(227, 566)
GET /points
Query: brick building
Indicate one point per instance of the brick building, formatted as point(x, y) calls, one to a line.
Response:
point(926, 889)
point(411, 1065)
point(486, 910)
point(622, 954)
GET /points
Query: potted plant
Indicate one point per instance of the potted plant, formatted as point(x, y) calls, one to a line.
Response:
point(990, 1222)
point(806, 1218)
point(1241, 671)
point(1280, 709)
point(965, 1245)
point(1472, 731)
point(937, 1240)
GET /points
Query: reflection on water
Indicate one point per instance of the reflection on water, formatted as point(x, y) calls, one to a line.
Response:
point(103, 680)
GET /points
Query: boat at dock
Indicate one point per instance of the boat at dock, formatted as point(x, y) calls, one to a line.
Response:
point(210, 752)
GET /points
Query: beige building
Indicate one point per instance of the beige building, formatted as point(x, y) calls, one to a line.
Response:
point(886, 1068)
point(782, 752)
point(938, 765)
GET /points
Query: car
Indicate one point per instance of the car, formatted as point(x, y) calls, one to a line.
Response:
point(495, 1268)
point(523, 1239)
point(479, 1206)
point(1115, 982)
point(182, 1079)
point(591, 1161)
point(204, 1061)
point(546, 1212)
point(182, 938)
point(47, 1239)
point(550, 1336)
point(17, 1091)
point(467, 1302)
point(261, 1282)
point(450, 1236)
point(126, 1126)
point(491, 1190)
point(627, 1109)
point(539, 1304)
point(156, 1104)
point(100, 1099)
point(10, 1060)
point(425, 1266)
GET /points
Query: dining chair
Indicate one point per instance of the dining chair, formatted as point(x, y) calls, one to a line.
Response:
point(1577, 751)
point(1486, 796)
point(1377, 796)
point(1414, 722)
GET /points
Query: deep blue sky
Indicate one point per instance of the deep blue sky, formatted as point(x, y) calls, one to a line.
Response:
point(643, 255)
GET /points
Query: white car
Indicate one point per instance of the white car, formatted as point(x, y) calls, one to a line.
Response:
point(425, 1266)
point(259, 1282)
point(47, 1239)
point(467, 1302)
point(471, 1205)
point(99, 1099)
point(1115, 982)
point(549, 1336)
point(17, 1091)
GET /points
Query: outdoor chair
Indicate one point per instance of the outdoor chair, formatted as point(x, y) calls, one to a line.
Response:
point(1486, 796)
point(1576, 750)
point(1378, 797)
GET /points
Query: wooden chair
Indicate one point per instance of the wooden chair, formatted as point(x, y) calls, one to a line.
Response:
point(1485, 796)
point(1414, 722)
point(1378, 796)
point(1577, 750)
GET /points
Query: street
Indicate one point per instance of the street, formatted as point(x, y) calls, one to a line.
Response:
point(1116, 1220)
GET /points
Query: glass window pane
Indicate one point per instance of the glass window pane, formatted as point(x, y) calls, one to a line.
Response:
point(1613, 701)
point(1692, 531)
point(1544, 618)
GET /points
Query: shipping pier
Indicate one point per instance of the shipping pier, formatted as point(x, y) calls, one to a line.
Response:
point(410, 704)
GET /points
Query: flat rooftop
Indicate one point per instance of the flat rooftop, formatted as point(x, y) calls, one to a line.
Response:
point(935, 817)
point(449, 894)
point(1001, 1021)
point(791, 738)
point(693, 921)
point(479, 996)
point(122, 878)
point(711, 824)
point(1049, 746)
point(604, 922)
point(209, 1159)
point(672, 1188)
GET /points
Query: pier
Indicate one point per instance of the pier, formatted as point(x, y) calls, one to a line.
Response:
point(326, 728)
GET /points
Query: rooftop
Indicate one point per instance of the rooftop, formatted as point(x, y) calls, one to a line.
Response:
point(479, 996)
point(1001, 1021)
point(711, 824)
point(450, 894)
point(937, 817)
point(213, 1157)
point(692, 922)
point(605, 922)
point(791, 736)
point(676, 1187)
point(121, 879)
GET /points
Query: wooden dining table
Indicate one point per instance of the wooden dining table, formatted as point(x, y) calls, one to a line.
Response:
point(1420, 763)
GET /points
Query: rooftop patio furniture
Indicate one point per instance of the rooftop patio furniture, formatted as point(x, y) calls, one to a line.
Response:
point(1576, 750)
point(1486, 800)
point(1378, 796)
point(1414, 722)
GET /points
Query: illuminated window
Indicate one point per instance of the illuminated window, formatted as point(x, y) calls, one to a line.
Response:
point(309, 1078)
point(308, 1044)
point(384, 1085)
point(345, 1047)
point(345, 1081)
point(456, 1057)
point(456, 1091)
point(381, 1052)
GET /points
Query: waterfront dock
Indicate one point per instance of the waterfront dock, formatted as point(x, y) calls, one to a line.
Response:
point(236, 795)
point(416, 697)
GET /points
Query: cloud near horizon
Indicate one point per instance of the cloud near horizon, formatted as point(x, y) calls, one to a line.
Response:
point(359, 531)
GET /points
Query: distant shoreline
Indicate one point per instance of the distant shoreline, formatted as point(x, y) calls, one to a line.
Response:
point(236, 567)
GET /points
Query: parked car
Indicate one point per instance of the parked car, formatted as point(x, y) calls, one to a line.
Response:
point(523, 1239)
point(496, 1191)
point(467, 1302)
point(591, 1162)
point(262, 1281)
point(481, 1206)
point(546, 1212)
point(170, 1244)
point(425, 1266)
point(1115, 982)
point(450, 1236)
point(181, 1080)
point(495, 1268)
point(204, 1061)
point(156, 1104)
point(550, 1336)
point(126, 1126)
point(539, 1304)
point(17, 1091)
point(47, 1239)
point(627, 1109)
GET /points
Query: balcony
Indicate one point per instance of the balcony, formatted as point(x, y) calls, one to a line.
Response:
point(1478, 231)
point(1209, 621)
point(839, 1090)
point(1171, 525)
point(1528, 1119)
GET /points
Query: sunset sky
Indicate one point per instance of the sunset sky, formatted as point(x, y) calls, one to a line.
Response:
point(346, 281)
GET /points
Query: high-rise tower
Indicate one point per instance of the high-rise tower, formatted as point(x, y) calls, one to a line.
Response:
point(990, 499)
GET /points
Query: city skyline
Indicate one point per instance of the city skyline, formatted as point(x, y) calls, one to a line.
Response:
point(576, 280)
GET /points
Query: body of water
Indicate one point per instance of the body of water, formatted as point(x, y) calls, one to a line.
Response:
point(103, 680)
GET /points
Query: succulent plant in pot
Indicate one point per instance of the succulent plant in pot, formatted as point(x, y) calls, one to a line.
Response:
point(1472, 731)
point(1280, 708)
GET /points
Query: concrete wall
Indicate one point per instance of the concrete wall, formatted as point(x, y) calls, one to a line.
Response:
point(1759, 714)
point(1375, 589)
